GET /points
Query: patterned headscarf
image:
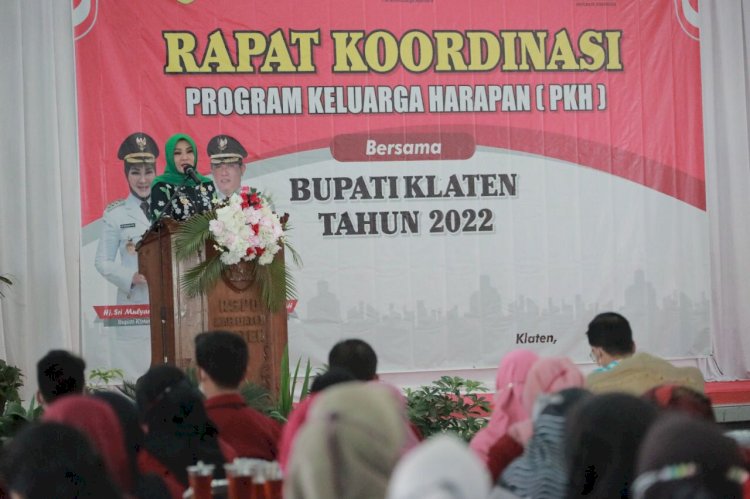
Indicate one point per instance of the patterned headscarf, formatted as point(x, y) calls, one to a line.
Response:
point(349, 445)
point(541, 471)
point(171, 174)
point(507, 406)
point(682, 456)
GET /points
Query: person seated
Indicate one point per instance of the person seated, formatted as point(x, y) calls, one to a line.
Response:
point(354, 435)
point(195, 192)
point(541, 472)
point(507, 406)
point(683, 456)
point(146, 486)
point(227, 166)
point(358, 358)
point(547, 375)
point(222, 359)
point(622, 369)
point(59, 373)
point(55, 460)
point(178, 430)
point(683, 399)
point(602, 437)
point(96, 419)
point(441, 467)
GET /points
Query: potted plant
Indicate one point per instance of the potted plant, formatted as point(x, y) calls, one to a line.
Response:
point(450, 404)
point(10, 382)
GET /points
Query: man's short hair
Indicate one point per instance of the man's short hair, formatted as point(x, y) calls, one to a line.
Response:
point(611, 332)
point(59, 373)
point(223, 356)
point(355, 355)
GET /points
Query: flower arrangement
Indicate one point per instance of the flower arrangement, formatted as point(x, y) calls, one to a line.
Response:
point(244, 228)
point(241, 229)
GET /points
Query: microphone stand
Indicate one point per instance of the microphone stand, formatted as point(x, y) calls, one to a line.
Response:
point(156, 225)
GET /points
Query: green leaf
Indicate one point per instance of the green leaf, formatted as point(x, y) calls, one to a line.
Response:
point(192, 235)
point(257, 397)
point(273, 281)
point(448, 405)
point(202, 277)
point(288, 248)
point(288, 386)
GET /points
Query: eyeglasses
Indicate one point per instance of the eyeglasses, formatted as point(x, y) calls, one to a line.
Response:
point(593, 356)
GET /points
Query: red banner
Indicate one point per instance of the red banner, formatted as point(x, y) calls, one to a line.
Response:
point(461, 177)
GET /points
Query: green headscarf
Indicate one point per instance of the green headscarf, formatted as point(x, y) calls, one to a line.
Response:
point(171, 174)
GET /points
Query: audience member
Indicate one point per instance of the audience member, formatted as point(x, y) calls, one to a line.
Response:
point(623, 370)
point(683, 457)
point(54, 460)
point(541, 472)
point(298, 416)
point(348, 447)
point(222, 359)
point(443, 467)
point(332, 376)
point(682, 399)
point(547, 375)
point(602, 438)
point(507, 407)
point(357, 356)
point(96, 419)
point(178, 431)
point(59, 373)
point(144, 486)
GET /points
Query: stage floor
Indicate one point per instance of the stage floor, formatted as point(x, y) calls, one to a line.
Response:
point(731, 400)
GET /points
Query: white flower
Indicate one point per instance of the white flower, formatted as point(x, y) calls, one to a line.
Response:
point(265, 258)
point(229, 258)
point(232, 231)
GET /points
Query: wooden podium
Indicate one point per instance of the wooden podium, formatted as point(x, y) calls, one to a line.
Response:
point(234, 305)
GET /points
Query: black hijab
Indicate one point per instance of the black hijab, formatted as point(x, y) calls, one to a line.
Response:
point(179, 431)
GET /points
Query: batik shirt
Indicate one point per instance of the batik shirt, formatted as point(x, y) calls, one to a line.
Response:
point(192, 199)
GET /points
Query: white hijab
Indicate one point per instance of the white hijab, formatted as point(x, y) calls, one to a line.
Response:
point(443, 467)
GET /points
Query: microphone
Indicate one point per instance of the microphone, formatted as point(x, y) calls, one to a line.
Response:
point(190, 172)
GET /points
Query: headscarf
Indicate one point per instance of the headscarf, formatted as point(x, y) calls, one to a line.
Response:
point(601, 442)
point(507, 407)
point(55, 460)
point(349, 445)
point(683, 399)
point(99, 423)
point(547, 375)
point(443, 467)
point(682, 456)
point(171, 174)
point(541, 471)
point(179, 431)
point(150, 486)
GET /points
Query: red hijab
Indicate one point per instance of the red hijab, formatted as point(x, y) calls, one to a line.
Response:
point(95, 419)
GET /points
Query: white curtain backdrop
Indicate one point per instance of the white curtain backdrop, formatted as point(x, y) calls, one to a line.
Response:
point(725, 52)
point(39, 197)
point(39, 192)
